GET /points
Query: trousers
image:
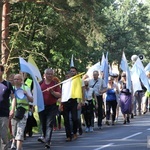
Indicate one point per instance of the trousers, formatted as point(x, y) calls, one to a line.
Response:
point(4, 121)
point(70, 108)
point(47, 117)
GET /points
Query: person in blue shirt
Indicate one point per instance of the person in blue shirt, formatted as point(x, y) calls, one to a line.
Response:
point(111, 100)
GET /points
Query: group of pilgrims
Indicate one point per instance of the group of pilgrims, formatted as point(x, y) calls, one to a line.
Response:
point(104, 96)
point(103, 99)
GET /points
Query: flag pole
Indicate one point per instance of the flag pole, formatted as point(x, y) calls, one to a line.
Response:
point(63, 82)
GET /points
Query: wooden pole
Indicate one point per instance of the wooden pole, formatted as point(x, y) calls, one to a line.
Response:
point(78, 75)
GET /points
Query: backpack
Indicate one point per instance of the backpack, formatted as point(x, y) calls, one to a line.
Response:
point(2, 89)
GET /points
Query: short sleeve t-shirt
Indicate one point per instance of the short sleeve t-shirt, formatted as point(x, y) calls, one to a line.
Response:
point(49, 99)
point(89, 93)
point(6, 90)
point(98, 85)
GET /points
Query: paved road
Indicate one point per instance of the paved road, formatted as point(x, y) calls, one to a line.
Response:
point(133, 136)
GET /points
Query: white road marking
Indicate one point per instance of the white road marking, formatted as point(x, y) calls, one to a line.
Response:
point(132, 135)
point(125, 138)
point(104, 146)
point(148, 129)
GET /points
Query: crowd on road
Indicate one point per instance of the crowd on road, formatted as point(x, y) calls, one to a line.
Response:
point(99, 100)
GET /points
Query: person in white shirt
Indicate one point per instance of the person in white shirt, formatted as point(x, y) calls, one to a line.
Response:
point(99, 86)
point(88, 113)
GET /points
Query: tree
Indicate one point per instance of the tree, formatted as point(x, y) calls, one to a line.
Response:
point(54, 30)
point(56, 33)
point(5, 32)
point(127, 29)
point(1, 7)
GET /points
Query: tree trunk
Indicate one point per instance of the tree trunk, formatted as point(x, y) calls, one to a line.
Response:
point(1, 7)
point(5, 32)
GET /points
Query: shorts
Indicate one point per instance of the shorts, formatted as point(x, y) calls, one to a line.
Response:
point(18, 127)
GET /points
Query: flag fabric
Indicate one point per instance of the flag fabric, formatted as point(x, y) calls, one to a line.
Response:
point(95, 67)
point(72, 88)
point(124, 67)
point(147, 68)
point(138, 68)
point(105, 67)
point(37, 92)
point(106, 71)
point(135, 82)
point(34, 67)
point(129, 82)
point(72, 62)
point(103, 62)
point(123, 64)
point(110, 70)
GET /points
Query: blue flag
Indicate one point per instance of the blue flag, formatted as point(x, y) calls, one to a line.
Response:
point(138, 68)
point(147, 68)
point(124, 66)
point(37, 92)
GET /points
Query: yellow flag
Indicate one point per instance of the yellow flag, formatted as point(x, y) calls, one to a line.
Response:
point(34, 67)
point(72, 88)
point(76, 88)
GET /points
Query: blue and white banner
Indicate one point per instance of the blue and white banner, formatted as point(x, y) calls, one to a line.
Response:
point(124, 66)
point(95, 67)
point(138, 68)
point(147, 68)
point(37, 92)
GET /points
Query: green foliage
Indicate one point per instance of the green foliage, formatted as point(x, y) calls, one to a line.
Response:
point(54, 30)
point(127, 30)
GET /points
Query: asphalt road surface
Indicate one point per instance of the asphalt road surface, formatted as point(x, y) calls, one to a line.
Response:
point(132, 136)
